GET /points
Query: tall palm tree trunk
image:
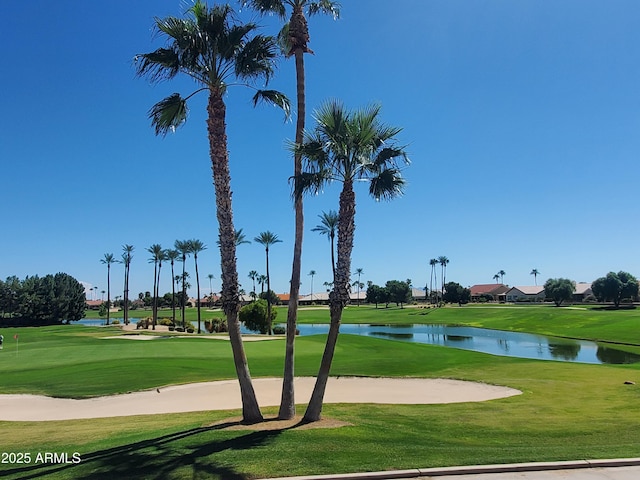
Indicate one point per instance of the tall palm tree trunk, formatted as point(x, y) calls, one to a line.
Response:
point(230, 294)
point(157, 297)
point(108, 291)
point(268, 294)
point(287, 401)
point(126, 294)
point(173, 295)
point(195, 259)
point(154, 313)
point(338, 298)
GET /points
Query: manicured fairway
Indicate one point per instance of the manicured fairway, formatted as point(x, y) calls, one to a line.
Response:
point(567, 411)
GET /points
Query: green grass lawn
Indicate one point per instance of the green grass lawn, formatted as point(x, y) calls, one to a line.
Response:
point(567, 411)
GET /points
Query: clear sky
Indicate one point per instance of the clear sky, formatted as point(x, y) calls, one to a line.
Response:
point(521, 119)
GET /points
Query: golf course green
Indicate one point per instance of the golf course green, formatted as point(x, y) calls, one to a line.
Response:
point(567, 411)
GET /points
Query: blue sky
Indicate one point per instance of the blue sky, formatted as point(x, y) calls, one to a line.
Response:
point(521, 120)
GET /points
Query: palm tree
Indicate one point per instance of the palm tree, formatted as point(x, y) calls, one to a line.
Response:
point(108, 260)
point(433, 262)
point(212, 48)
point(359, 284)
point(535, 274)
point(312, 273)
point(294, 39)
point(210, 277)
point(496, 277)
point(182, 246)
point(267, 239)
point(253, 275)
point(195, 247)
point(347, 147)
point(502, 273)
point(262, 279)
point(172, 255)
point(443, 261)
point(102, 292)
point(157, 253)
point(127, 256)
point(328, 226)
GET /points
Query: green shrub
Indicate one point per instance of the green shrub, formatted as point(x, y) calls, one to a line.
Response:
point(165, 321)
point(216, 325)
point(279, 330)
point(254, 316)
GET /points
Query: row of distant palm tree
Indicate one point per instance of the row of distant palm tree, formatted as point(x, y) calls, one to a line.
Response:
point(434, 262)
point(500, 275)
point(182, 249)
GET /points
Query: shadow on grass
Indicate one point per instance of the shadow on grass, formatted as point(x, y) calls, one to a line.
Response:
point(183, 454)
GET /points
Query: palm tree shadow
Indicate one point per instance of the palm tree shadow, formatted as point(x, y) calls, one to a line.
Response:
point(157, 458)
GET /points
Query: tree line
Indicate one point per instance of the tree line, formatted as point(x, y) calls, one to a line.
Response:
point(36, 301)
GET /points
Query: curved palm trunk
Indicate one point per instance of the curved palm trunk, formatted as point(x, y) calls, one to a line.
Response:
point(157, 297)
point(230, 295)
point(268, 294)
point(154, 315)
point(333, 259)
point(183, 299)
point(338, 298)
point(173, 294)
point(195, 259)
point(287, 401)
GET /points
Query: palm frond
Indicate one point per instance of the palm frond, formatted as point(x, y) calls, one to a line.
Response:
point(391, 154)
point(168, 114)
point(273, 97)
point(265, 7)
point(163, 64)
point(327, 7)
point(387, 184)
point(310, 182)
point(283, 40)
point(256, 58)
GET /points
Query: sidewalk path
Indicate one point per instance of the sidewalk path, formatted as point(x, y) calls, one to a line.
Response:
point(617, 469)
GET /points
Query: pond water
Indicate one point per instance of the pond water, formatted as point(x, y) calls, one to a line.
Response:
point(496, 342)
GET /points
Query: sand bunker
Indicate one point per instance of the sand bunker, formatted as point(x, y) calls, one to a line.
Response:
point(225, 395)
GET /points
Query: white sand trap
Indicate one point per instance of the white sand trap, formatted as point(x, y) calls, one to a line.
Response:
point(225, 395)
point(245, 338)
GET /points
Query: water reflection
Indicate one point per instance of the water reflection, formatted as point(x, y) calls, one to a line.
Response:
point(513, 344)
point(564, 351)
point(612, 355)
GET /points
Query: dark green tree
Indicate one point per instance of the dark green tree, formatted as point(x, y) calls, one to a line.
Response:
point(255, 317)
point(559, 290)
point(614, 287)
point(456, 293)
point(399, 292)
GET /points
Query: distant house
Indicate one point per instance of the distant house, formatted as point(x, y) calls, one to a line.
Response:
point(583, 290)
point(94, 304)
point(495, 292)
point(322, 298)
point(419, 294)
point(525, 294)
